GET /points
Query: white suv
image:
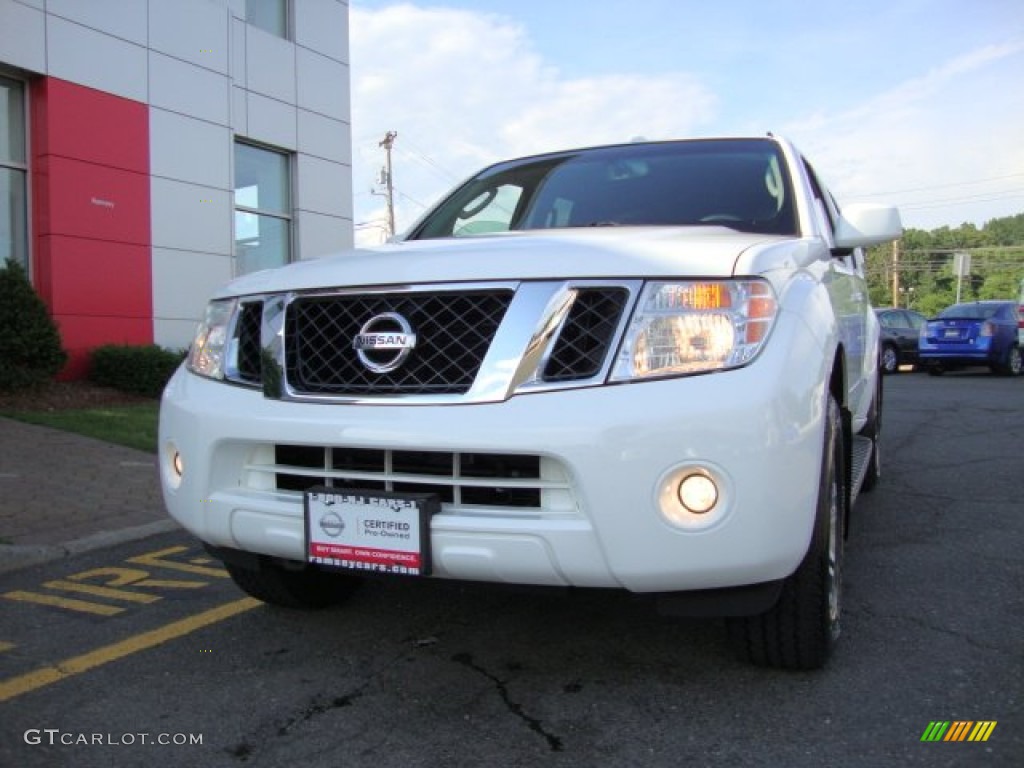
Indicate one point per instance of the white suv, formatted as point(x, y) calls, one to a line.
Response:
point(650, 367)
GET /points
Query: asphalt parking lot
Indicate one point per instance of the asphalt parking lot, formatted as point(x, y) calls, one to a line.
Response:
point(144, 653)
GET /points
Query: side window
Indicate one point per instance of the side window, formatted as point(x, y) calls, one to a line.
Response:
point(13, 174)
point(491, 211)
point(822, 200)
point(263, 208)
point(269, 15)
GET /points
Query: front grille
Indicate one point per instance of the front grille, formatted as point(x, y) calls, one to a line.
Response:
point(466, 483)
point(250, 318)
point(583, 344)
point(454, 331)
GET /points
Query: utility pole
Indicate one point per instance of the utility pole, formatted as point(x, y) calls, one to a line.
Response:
point(387, 142)
point(896, 273)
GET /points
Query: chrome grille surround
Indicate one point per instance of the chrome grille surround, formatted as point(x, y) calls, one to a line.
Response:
point(551, 335)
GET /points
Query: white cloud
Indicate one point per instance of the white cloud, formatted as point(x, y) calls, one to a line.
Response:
point(465, 89)
point(944, 145)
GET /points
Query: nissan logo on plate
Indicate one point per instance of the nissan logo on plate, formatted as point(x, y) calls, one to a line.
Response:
point(384, 342)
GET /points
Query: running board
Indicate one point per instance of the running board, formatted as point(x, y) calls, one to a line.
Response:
point(860, 458)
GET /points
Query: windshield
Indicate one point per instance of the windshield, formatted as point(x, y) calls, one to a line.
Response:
point(736, 183)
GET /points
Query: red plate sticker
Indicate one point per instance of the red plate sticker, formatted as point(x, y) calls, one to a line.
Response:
point(374, 531)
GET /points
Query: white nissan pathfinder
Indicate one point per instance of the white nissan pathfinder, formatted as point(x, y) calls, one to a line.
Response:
point(650, 367)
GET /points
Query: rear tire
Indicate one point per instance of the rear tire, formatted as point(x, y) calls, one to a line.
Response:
point(306, 589)
point(890, 359)
point(1013, 364)
point(801, 629)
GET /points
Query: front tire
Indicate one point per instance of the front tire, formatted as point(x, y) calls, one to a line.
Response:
point(305, 589)
point(801, 629)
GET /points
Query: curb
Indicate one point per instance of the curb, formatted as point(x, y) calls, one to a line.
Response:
point(18, 557)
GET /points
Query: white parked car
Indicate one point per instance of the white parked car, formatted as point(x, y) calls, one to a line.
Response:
point(650, 367)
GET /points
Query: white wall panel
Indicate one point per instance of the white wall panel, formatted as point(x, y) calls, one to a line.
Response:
point(271, 121)
point(22, 36)
point(173, 334)
point(193, 30)
point(325, 137)
point(238, 36)
point(323, 85)
point(320, 235)
point(84, 56)
point(182, 87)
point(183, 281)
point(190, 217)
point(240, 111)
point(122, 18)
point(322, 25)
point(323, 186)
point(270, 65)
point(186, 149)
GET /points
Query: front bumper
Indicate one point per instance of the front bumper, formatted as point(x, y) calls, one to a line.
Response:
point(607, 452)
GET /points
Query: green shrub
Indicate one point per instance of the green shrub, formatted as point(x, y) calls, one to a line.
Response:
point(141, 370)
point(30, 349)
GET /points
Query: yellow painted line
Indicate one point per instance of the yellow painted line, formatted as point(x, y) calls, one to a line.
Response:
point(5, 646)
point(156, 560)
point(68, 603)
point(74, 666)
point(97, 591)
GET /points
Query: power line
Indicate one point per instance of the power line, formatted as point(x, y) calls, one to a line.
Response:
point(939, 186)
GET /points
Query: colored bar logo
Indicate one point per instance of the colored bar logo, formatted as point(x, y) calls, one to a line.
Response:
point(958, 730)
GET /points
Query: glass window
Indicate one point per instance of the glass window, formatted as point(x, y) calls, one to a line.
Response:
point(492, 211)
point(13, 173)
point(735, 183)
point(269, 15)
point(263, 210)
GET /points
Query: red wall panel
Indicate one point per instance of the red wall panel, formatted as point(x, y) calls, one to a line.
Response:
point(89, 277)
point(81, 334)
point(91, 215)
point(98, 202)
point(92, 125)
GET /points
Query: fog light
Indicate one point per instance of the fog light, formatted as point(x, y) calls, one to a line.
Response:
point(698, 493)
point(172, 465)
point(694, 497)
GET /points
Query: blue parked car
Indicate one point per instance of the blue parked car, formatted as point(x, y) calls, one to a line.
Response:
point(974, 333)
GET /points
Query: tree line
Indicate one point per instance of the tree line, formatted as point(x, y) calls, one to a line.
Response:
point(918, 271)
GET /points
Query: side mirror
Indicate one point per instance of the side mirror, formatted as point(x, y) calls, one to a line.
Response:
point(864, 224)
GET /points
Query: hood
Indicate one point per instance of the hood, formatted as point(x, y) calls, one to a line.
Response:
point(620, 252)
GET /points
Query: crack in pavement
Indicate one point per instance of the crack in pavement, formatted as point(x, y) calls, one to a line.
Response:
point(535, 725)
point(922, 623)
point(244, 749)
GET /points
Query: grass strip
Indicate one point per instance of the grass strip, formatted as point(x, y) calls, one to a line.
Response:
point(134, 426)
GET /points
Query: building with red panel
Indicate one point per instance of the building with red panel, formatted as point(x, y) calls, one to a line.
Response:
point(152, 150)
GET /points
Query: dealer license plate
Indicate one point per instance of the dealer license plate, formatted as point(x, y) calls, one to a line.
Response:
point(376, 531)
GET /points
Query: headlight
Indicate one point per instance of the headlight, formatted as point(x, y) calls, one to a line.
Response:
point(680, 328)
point(206, 355)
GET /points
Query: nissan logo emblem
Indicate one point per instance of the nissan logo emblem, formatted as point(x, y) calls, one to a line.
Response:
point(384, 342)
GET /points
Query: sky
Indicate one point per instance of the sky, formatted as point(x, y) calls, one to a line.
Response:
point(916, 103)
